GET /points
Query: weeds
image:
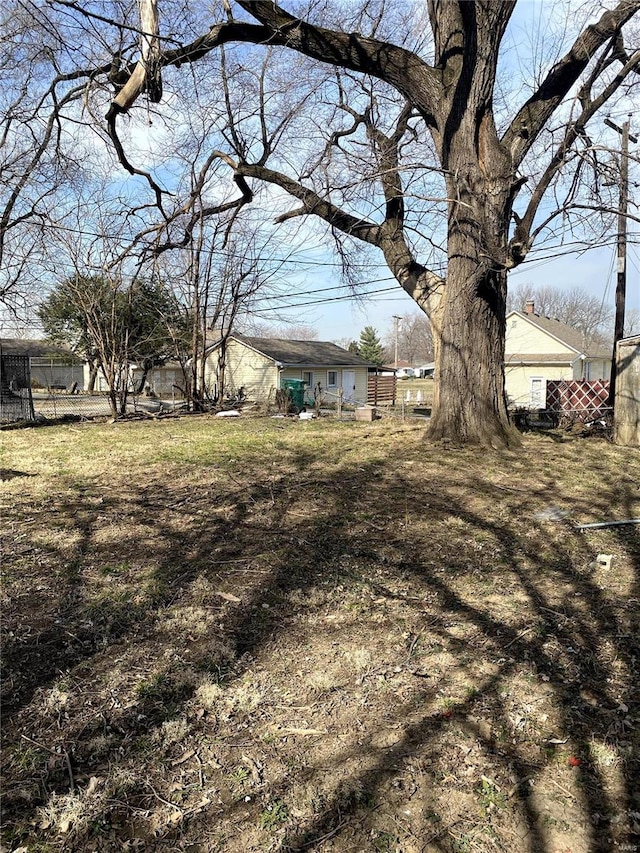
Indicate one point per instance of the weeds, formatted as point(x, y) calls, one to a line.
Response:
point(490, 797)
point(274, 816)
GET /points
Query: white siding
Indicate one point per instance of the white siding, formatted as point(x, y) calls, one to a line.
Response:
point(261, 377)
point(518, 380)
point(320, 375)
point(598, 368)
point(245, 368)
point(523, 337)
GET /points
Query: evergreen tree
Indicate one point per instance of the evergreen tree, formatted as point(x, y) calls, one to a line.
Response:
point(370, 346)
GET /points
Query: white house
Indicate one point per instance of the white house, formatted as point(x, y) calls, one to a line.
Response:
point(540, 348)
point(260, 365)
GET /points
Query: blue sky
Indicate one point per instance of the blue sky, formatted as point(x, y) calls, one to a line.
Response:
point(594, 270)
point(538, 29)
point(317, 297)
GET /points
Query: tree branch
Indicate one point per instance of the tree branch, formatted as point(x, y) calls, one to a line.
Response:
point(312, 203)
point(523, 238)
point(395, 65)
point(533, 115)
point(424, 286)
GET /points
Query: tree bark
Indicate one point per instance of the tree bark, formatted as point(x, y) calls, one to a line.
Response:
point(469, 404)
point(454, 98)
point(93, 375)
point(147, 364)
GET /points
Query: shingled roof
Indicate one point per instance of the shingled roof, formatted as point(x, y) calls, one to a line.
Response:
point(303, 353)
point(567, 335)
point(36, 349)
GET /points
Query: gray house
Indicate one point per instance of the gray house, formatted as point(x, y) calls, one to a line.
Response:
point(51, 365)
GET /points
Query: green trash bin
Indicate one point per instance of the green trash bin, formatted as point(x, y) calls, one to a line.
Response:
point(295, 387)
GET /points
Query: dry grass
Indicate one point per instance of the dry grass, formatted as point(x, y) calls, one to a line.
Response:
point(279, 636)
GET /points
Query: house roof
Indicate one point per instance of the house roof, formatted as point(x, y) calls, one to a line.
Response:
point(541, 358)
point(35, 348)
point(567, 335)
point(308, 353)
point(632, 341)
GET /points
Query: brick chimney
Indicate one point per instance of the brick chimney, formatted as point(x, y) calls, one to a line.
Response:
point(529, 307)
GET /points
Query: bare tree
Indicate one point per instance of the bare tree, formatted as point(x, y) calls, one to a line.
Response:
point(287, 331)
point(632, 322)
point(453, 97)
point(43, 155)
point(219, 276)
point(400, 122)
point(415, 341)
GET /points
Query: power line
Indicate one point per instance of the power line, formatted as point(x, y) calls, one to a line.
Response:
point(328, 301)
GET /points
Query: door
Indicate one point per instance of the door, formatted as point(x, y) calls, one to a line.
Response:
point(307, 376)
point(538, 393)
point(349, 386)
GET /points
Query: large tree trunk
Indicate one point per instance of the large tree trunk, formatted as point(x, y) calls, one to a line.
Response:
point(470, 322)
point(469, 405)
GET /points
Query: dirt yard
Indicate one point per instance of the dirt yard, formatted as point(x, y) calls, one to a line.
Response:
point(267, 635)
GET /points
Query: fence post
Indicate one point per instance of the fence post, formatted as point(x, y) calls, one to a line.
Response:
point(339, 404)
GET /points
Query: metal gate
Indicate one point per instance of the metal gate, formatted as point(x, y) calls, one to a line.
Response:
point(16, 403)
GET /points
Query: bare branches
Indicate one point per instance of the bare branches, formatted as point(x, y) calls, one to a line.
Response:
point(401, 68)
point(133, 170)
point(534, 114)
point(589, 105)
point(312, 203)
point(396, 65)
point(194, 210)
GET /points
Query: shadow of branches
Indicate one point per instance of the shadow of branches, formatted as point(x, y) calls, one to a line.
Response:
point(359, 643)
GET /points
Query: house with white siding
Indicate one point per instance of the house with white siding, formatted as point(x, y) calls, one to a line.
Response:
point(259, 366)
point(538, 349)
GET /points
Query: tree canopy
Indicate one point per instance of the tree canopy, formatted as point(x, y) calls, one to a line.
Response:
point(404, 129)
point(115, 326)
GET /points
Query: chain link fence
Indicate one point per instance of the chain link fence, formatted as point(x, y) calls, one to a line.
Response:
point(53, 405)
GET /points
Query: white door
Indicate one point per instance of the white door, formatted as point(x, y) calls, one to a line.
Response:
point(538, 392)
point(349, 386)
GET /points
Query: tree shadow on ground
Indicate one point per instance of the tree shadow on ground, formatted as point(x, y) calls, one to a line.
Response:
point(508, 661)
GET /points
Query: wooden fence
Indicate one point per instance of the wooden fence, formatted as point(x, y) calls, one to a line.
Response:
point(579, 399)
point(381, 389)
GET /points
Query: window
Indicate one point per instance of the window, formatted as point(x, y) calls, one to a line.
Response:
point(332, 378)
point(307, 376)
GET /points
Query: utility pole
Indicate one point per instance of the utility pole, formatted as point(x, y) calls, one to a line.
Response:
point(397, 323)
point(621, 283)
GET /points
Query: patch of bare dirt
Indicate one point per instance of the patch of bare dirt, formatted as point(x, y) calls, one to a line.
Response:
point(286, 637)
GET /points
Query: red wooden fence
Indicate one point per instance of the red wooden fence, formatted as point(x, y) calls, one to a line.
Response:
point(581, 399)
